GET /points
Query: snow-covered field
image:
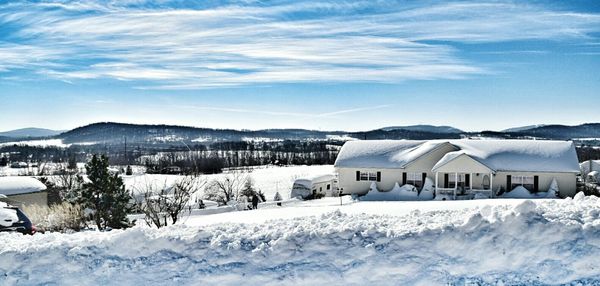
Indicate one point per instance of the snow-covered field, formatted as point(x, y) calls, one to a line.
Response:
point(268, 179)
point(494, 242)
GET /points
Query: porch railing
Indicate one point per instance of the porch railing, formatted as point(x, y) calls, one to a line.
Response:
point(450, 191)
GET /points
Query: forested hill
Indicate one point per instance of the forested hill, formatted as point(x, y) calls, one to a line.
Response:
point(117, 133)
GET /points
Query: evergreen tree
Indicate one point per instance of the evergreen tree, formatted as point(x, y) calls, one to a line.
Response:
point(277, 198)
point(128, 171)
point(261, 196)
point(248, 189)
point(72, 163)
point(3, 161)
point(105, 195)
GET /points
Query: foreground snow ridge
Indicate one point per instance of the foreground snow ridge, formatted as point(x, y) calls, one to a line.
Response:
point(541, 242)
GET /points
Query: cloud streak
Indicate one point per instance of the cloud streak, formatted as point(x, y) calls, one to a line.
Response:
point(159, 45)
point(285, 113)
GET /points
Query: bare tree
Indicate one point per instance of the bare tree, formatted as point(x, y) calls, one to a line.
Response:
point(165, 204)
point(226, 189)
point(69, 181)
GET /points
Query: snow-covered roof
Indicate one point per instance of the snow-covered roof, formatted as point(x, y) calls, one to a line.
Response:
point(384, 153)
point(585, 166)
point(517, 155)
point(307, 181)
point(16, 185)
point(498, 155)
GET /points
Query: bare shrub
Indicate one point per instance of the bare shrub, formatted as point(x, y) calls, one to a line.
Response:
point(228, 188)
point(59, 217)
point(163, 204)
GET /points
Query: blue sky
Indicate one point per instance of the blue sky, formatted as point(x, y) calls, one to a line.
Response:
point(330, 65)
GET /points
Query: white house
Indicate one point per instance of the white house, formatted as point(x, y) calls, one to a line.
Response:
point(23, 190)
point(458, 167)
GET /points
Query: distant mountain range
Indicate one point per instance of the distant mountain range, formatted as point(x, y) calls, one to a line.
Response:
point(583, 131)
point(522, 128)
point(426, 128)
point(30, 132)
point(110, 133)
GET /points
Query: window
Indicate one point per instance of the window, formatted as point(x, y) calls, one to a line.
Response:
point(415, 179)
point(372, 176)
point(364, 176)
point(368, 176)
point(328, 186)
point(452, 180)
point(526, 181)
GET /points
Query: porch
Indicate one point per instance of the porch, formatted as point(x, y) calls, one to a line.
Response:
point(461, 186)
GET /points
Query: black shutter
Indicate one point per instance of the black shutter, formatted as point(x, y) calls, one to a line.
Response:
point(446, 180)
point(536, 183)
point(508, 183)
point(358, 175)
point(378, 176)
point(468, 180)
point(424, 177)
point(403, 178)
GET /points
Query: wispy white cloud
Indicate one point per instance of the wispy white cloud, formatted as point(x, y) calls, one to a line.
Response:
point(285, 113)
point(159, 46)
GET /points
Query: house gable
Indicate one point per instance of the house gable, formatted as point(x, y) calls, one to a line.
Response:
point(461, 163)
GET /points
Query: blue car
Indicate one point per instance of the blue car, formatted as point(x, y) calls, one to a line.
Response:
point(13, 219)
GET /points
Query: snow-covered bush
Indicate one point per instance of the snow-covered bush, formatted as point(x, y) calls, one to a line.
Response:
point(553, 191)
point(427, 190)
point(60, 217)
point(277, 198)
point(373, 187)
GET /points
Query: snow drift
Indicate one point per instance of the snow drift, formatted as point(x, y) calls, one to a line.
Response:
point(534, 242)
point(405, 193)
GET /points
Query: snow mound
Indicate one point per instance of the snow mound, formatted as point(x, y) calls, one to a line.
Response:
point(535, 243)
point(405, 193)
point(521, 192)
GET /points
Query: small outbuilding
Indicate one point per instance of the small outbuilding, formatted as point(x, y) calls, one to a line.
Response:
point(23, 191)
point(314, 187)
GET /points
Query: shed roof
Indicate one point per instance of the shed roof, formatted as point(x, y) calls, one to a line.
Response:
point(16, 185)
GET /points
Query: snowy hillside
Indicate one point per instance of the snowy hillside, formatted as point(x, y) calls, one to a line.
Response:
point(392, 243)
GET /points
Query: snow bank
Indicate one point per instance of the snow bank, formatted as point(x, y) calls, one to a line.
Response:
point(522, 193)
point(533, 243)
